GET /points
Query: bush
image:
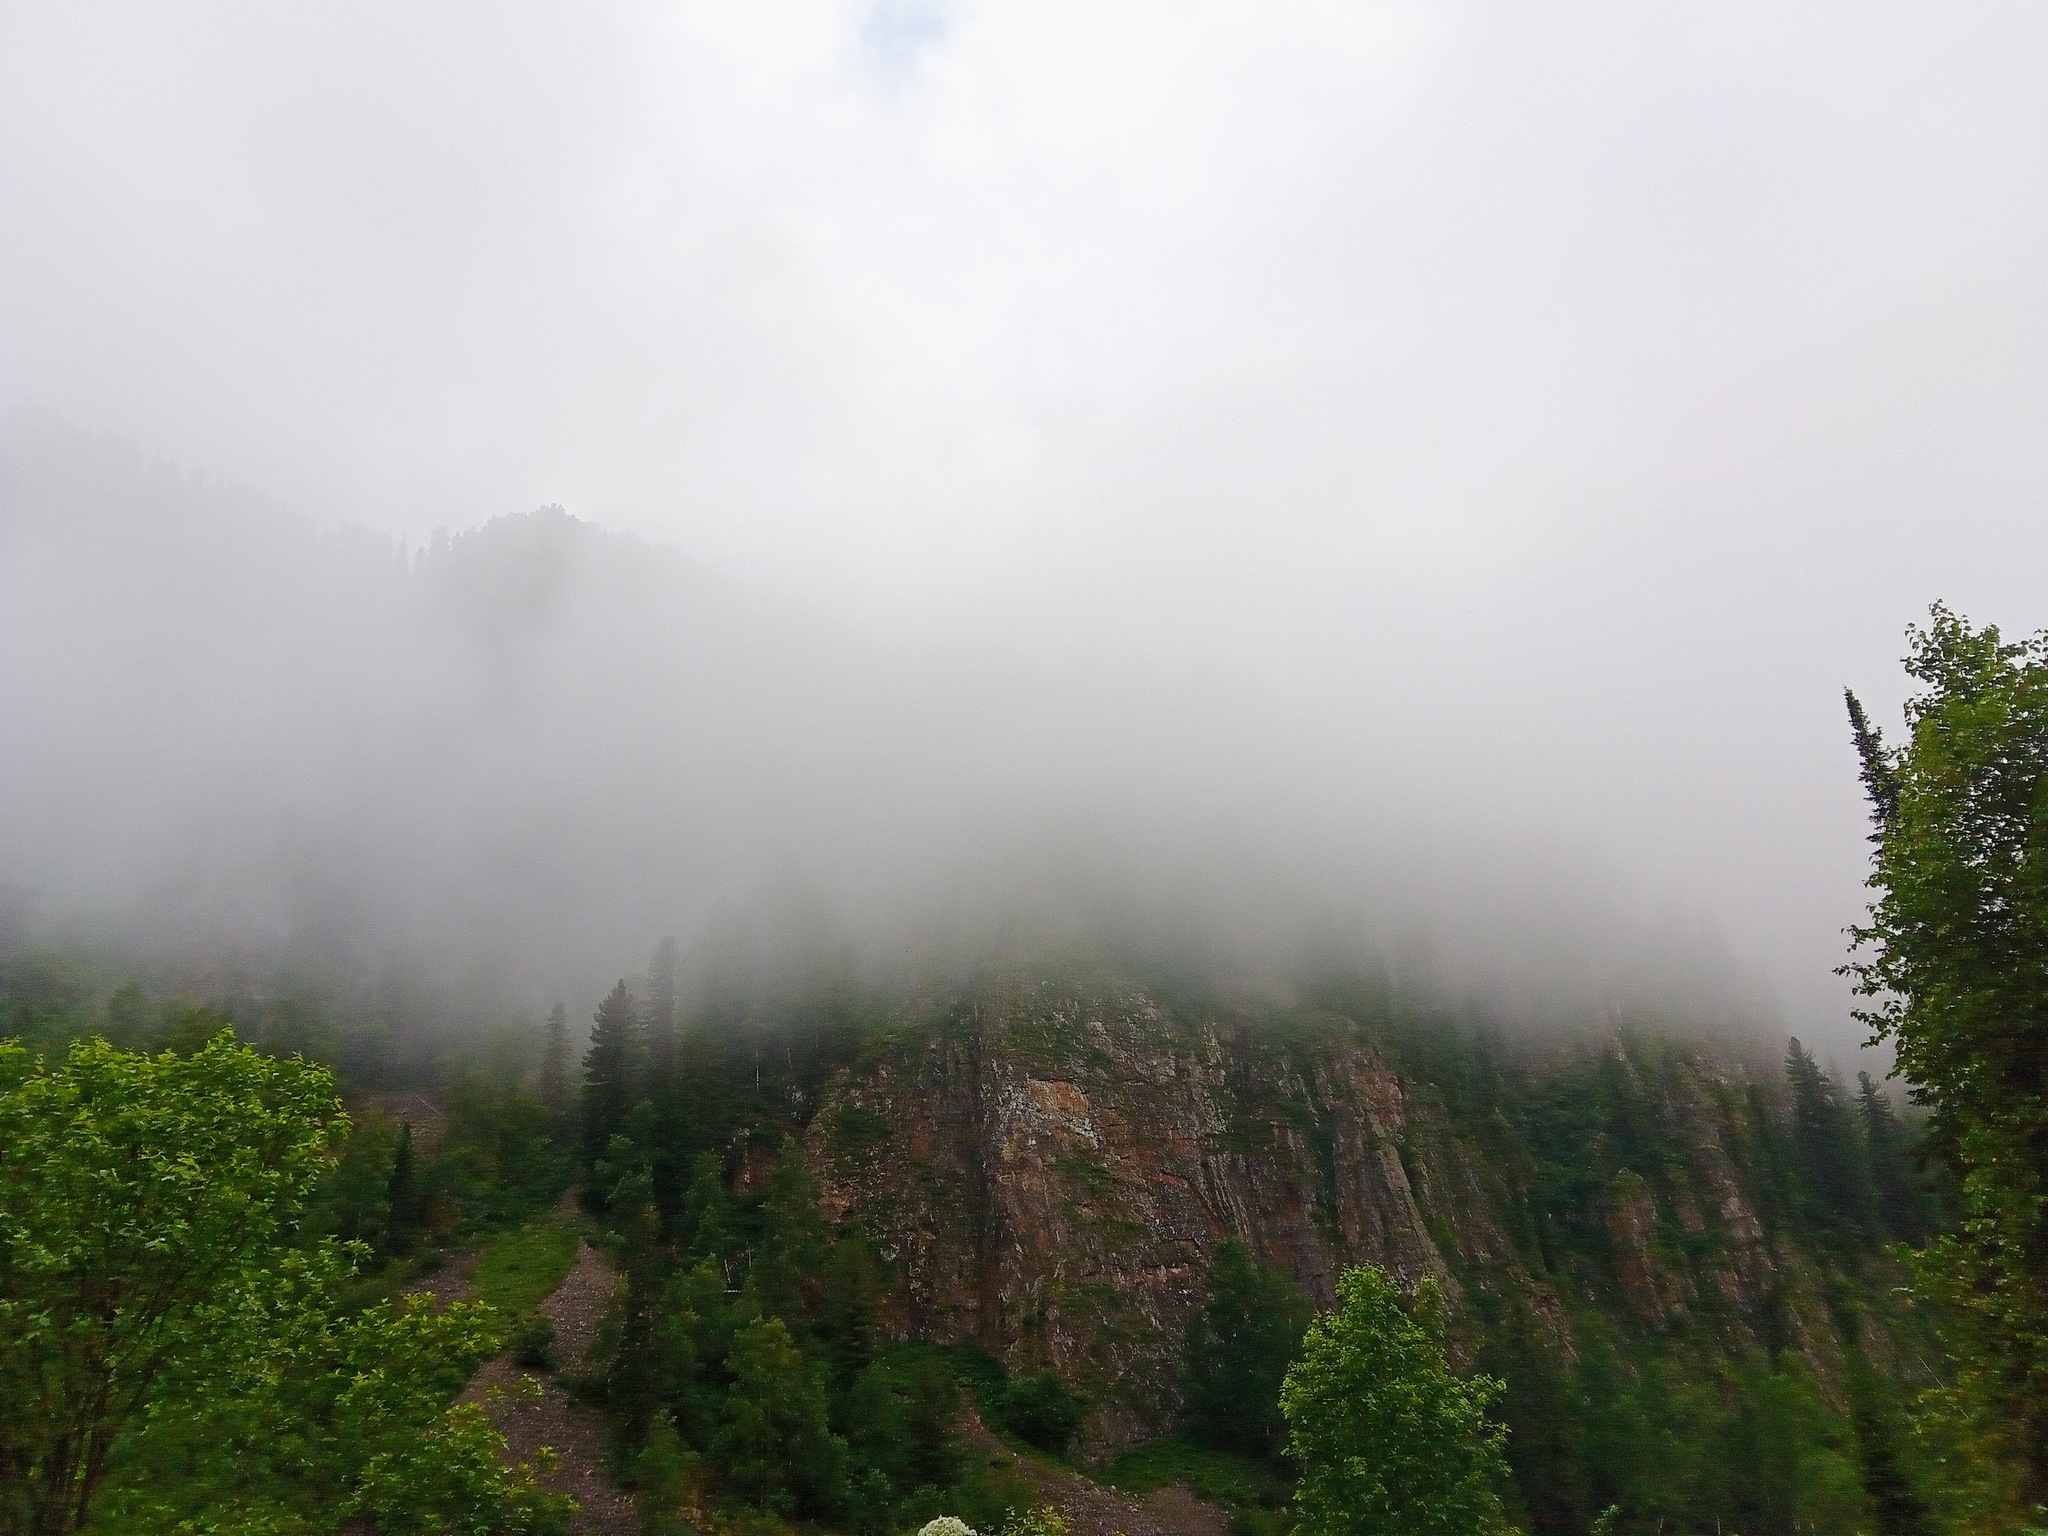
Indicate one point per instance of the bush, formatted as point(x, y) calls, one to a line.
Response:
point(1042, 1410)
point(533, 1342)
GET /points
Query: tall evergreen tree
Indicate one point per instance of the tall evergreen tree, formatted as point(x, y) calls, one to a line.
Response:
point(790, 1260)
point(1826, 1161)
point(661, 1019)
point(1880, 775)
point(776, 1447)
point(1239, 1346)
point(554, 1065)
point(1884, 1141)
point(707, 1227)
point(402, 1196)
point(608, 1076)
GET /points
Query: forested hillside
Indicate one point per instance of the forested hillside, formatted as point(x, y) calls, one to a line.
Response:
point(1096, 1207)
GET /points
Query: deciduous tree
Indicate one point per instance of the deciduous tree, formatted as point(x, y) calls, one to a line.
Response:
point(1388, 1439)
point(1955, 962)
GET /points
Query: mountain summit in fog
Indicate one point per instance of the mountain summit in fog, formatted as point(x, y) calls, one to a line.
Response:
point(535, 746)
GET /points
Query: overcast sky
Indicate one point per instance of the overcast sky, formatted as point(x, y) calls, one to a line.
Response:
point(1537, 412)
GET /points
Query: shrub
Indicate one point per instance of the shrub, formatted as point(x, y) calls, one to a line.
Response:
point(533, 1342)
point(1042, 1410)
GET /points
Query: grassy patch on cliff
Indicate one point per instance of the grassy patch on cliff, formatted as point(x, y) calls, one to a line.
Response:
point(519, 1269)
point(1244, 1485)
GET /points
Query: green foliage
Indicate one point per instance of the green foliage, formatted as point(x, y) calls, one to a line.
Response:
point(708, 1227)
point(661, 1475)
point(517, 1270)
point(608, 1074)
point(554, 1068)
point(353, 1201)
point(789, 1258)
point(1038, 1520)
point(500, 1159)
point(1387, 1438)
point(1902, 1208)
point(1234, 1481)
point(405, 1205)
point(139, 1197)
point(1955, 960)
point(317, 1416)
point(900, 1416)
point(776, 1447)
point(1042, 1410)
point(1828, 1159)
point(170, 1349)
point(1238, 1348)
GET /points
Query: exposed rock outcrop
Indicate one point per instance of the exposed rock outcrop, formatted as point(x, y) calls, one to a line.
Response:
point(1047, 1168)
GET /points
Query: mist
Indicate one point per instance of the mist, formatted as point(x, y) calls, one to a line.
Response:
point(1407, 474)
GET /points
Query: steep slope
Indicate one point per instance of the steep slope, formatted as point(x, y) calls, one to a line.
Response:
point(1048, 1166)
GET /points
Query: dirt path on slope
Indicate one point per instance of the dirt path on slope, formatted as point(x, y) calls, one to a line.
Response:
point(1093, 1510)
point(555, 1419)
point(453, 1281)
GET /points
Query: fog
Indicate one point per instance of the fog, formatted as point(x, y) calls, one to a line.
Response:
point(1410, 473)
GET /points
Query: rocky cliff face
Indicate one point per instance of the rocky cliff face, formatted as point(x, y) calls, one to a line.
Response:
point(1047, 1168)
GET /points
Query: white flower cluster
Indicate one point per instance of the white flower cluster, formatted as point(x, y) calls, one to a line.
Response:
point(946, 1525)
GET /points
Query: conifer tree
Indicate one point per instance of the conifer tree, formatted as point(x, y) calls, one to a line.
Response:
point(402, 1196)
point(791, 1255)
point(661, 1117)
point(776, 1446)
point(608, 1074)
point(1832, 1181)
point(1891, 1178)
point(1238, 1349)
point(634, 1380)
point(707, 1219)
point(661, 1019)
point(1880, 775)
point(554, 1065)
point(852, 1309)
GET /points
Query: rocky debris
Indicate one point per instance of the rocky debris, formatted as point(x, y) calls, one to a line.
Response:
point(554, 1420)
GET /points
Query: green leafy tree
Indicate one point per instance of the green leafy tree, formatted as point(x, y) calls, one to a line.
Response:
point(1238, 1348)
point(1388, 1439)
point(1955, 961)
point(354, 1200)
point(302, 1414)
point(138, 1194)
point(171, 1349)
